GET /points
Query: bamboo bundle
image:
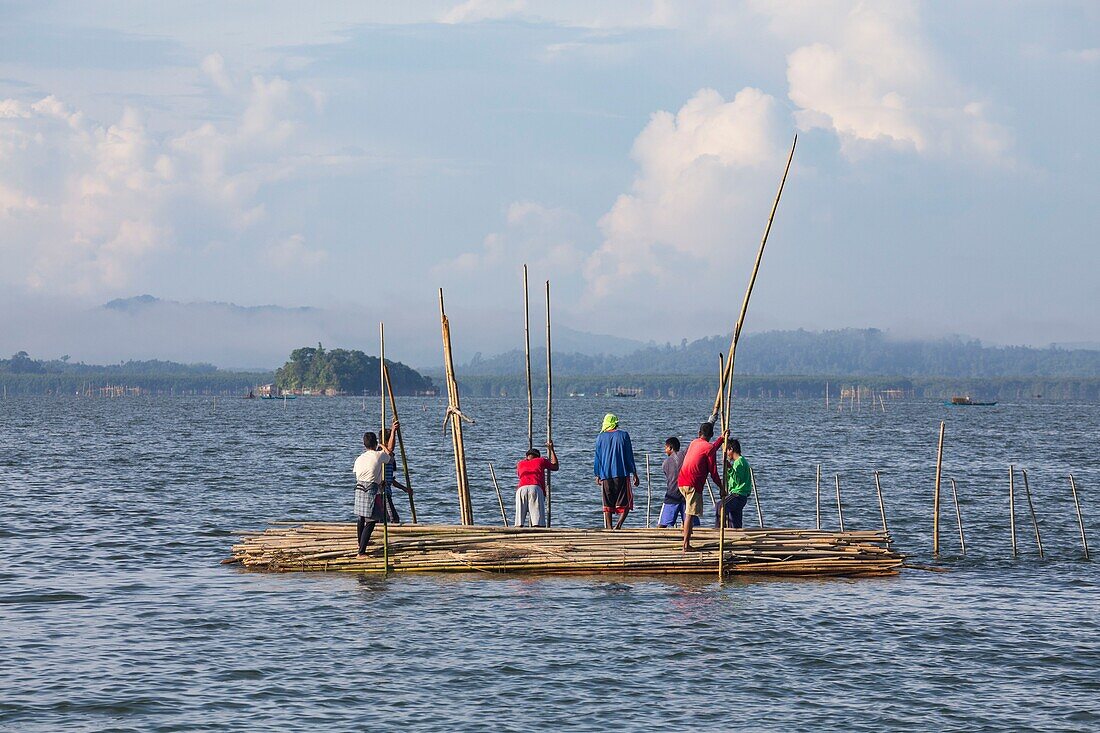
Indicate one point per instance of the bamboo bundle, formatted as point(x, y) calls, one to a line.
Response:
point(320, 546)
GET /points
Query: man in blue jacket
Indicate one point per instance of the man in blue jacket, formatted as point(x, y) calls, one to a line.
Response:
point(613, 466)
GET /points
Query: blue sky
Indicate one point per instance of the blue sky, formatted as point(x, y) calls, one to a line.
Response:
point(361, 156)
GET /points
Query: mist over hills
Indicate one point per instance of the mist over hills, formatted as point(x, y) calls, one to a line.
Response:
point(259, 337)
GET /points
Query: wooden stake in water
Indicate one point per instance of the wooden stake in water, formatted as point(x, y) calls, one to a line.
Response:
point(756, 495)
point(400, 443)
point(826, 398)
point(549, 406)
point(648, 490)
point(1012, 505)
point(1080, 521)
point(936, 497)
point(958, 515)
point(1031, 508)
point(817, 496)
point(839, 506)
point(500, 497)
point(881, 506)
point(527, 357)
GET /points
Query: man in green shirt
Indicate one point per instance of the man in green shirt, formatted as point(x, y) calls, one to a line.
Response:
point(735, 494)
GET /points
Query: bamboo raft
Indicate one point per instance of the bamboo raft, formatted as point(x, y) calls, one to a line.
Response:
point(317, 546)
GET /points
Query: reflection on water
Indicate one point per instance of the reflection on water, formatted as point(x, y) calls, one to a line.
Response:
point(114, 612)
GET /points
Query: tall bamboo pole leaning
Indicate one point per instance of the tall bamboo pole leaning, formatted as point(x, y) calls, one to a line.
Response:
point(549, 406)
point(936, 497)
point(756, 495)
point(881, 505)
point(1080, 521)
point(728, 374)
point(1012, 505)
point(1034, 519)
point(401, 444)
point(839, 506)
point(382, 373)
point(958, 515)
point(723, 411)
point(454, 408)
point(385, 508)
point(500, 498)
point(527, 356)
point(817, 496)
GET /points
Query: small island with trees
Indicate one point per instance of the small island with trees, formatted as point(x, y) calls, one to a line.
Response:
point(317, 371)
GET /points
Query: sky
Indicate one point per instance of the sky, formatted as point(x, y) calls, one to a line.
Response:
point(357, 157)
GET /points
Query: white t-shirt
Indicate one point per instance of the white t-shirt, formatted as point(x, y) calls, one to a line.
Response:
point(368, 466)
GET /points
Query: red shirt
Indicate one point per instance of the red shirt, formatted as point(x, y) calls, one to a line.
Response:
point(530, 471)
point(698, 462)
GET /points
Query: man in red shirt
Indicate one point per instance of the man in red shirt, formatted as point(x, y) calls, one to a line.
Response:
point(531, 494)
point(699, 462)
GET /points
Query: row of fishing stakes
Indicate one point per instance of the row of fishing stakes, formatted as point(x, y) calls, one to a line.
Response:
point(1011, 506)
point(455, 417)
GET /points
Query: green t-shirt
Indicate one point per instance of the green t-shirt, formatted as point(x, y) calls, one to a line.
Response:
point(738, 478)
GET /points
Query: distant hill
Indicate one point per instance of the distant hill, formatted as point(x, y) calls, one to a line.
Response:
point(140, 303)
point(849, 352)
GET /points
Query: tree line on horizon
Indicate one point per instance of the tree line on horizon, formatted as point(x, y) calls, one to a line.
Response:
point(850, 352)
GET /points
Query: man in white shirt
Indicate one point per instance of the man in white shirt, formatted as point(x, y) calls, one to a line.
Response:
point(368, 468)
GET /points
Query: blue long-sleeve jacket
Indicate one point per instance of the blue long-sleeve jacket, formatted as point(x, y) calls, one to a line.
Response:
point(614, 455)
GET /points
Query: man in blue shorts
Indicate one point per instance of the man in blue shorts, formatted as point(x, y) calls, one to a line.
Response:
point(673, 506)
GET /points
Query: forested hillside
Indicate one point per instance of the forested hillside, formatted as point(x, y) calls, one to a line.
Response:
point(851, 352)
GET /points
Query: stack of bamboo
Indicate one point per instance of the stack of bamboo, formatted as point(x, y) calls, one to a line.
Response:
point(453, 548)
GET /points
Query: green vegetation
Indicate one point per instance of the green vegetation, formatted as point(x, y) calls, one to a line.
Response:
point(344, 371)
point(23, 375)
point(853, 352)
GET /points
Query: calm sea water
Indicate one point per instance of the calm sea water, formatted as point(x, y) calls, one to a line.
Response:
point(115, 614)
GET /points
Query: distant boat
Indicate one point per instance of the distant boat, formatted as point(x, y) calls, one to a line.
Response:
point(627, 392)
point(279, 397)
point(967, 402)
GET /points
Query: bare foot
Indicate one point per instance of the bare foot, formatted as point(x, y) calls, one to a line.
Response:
point(688, 548)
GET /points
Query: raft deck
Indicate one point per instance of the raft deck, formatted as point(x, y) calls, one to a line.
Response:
point(317, 546)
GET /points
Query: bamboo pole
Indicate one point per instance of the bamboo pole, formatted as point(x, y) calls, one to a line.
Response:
point(839, 506)
point(400, 443)
point(721, 541)
point(382, 374)
point(728, 374)
point(817, 496)
point(1080, 521)
point(454, 407)
point(500, 498)
point(958, 516)
point(648, 491)
point(1012, 505)
point(527, 357)
point(826, 395)
point(756, 496)
point(1034, 519)
point(881, 505)
point(936, 498)
point(549, 406)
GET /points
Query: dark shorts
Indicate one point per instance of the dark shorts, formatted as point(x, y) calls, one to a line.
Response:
point(617, 494)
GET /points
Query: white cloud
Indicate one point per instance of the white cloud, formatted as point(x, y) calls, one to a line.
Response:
point(698, 171)
point(866, 72)
point(542, 236)
point(83, 204)
point(292, 254)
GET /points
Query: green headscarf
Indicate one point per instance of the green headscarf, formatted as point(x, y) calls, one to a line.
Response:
point(610, 422)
